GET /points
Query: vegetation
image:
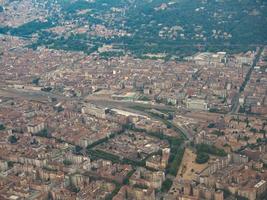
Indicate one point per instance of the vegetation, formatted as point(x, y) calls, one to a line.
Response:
point(103, 140)
point(113, 193)
point(247, 78)
point(216, 110)
point(144, 37)
point(90, 146)
point(253, 130)
point(58, 108)
point(126, 179)
point(242, 109)
point(177, 152)
point(12, 139)
point(67, 162)
point(241, 198)
point(73, 188)
point(104, 155)
point(226, 193)
point(263, 196)
point(77, 150)
point(203, 151)
point(202, 157)
point(144, 98)
point(175, 161)
point(263, 140)
point(141, 186)
point(10, 164)
point(169, 124)
point(166, 185)
point(217, 132)
point(2, 127)
point(108, 54)
point(35, 81)
point(46, 89)
point(210, 149)
point(27, 29)
point(211, 125)
point(48, 168)
point(43, 133)
point(140, 163)
point(165, 110)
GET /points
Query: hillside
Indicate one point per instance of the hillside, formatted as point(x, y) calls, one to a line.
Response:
point(170, 27)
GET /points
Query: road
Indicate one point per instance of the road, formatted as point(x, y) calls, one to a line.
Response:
point(236, 106)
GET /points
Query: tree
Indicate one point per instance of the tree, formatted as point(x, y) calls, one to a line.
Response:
point(67, 162)
point(10, 164)
point(166, 185)
point(202, 158)
point(46, 89)
point(35, 81)
point(211, 125)
point(170, 116)
point(2, 127)
point(44, 133)
point(210, 149)
point(12, 139)
point(253, 130)
point(175, 161)
point(77, 150)
point(218, 133)
point(73, 187)
point(49, 196)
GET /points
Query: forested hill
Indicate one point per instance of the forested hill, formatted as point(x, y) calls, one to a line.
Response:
point(140, 27)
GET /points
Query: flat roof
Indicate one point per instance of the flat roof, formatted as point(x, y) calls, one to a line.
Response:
point(259, 184)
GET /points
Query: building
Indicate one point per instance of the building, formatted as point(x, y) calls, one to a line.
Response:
point(94, 110)
point(36, 128)
point(196, 104)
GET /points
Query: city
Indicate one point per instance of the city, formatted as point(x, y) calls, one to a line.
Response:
point(110, 124)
